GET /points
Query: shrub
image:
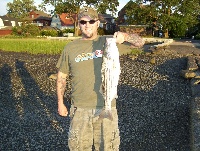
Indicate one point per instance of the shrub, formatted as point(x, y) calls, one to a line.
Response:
point(69, 30)
point(26, 30)
point(65, 31)
point(197, 36)
point(30, 30)
point(101, 31)
point(52, 33)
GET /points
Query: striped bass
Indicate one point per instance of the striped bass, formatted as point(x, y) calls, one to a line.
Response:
point(110, 73)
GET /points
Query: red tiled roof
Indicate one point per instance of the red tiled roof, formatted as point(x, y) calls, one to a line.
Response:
point(66, 19)
point(38, 15)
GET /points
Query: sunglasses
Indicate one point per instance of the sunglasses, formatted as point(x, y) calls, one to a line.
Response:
point(83, 22)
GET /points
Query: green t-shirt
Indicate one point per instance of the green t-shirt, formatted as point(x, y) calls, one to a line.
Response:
point(83, 59)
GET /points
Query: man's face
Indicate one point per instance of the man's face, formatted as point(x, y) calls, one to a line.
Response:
point(88, 27)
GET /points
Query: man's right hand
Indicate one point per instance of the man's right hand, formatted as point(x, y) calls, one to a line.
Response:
point(62, 110)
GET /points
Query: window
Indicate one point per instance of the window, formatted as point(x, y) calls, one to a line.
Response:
point(101, 25)
point(125, 17)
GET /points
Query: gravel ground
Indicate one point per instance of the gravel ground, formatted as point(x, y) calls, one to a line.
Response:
point(153, 104)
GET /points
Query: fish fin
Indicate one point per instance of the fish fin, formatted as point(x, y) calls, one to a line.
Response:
point(106, 114)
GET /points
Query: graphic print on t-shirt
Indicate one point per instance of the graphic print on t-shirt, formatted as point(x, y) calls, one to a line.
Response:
point(87, 56)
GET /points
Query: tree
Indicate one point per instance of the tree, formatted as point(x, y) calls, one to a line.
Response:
point(138, 14)
point(73, 7)
point(175, 16)
point(20, 8)
point(43, 7)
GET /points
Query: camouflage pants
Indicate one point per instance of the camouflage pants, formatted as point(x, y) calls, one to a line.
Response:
point(86, 131)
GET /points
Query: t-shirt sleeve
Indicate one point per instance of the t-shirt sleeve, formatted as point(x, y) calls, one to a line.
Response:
point(62, 64)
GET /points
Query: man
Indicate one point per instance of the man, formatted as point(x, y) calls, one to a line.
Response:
point(82, 58)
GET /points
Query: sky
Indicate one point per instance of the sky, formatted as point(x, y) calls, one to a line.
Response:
point(4, 3)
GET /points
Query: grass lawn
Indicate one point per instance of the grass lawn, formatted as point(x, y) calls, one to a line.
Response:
point(33, 45)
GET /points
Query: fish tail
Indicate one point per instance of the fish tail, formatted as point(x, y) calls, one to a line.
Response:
point(106, 114)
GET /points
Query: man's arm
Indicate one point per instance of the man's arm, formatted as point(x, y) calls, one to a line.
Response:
point(61, 85)
point(134, 39)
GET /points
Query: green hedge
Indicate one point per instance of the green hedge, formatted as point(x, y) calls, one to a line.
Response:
point(26, 30)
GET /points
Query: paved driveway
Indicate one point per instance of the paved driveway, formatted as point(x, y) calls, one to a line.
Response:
point(186, 46)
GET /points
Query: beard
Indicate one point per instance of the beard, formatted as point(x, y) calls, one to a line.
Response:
point(86, 34)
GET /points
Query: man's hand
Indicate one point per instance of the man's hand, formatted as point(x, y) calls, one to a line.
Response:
point(134, 39)
point(119, 36)
point(62, 110)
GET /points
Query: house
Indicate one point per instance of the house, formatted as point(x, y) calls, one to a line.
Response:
point(107, 22)
point(63, 21)
point(39, 18)
point(124, 26)
point(67, 20)
point(122, 18)
point(7, 23)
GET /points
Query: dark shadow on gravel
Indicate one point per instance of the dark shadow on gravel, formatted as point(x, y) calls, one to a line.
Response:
point(6, 87)
point(29, 121)
point(156, 119)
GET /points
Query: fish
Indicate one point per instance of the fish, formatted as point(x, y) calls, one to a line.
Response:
point(110, 73)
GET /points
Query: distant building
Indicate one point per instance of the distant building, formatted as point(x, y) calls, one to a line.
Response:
point(63, 21)
point(39, 18)
point(107, 22)
point(7, 23)
point(124, 26)
point(55, 22)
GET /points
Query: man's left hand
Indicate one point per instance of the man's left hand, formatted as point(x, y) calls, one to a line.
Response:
point(120, 37)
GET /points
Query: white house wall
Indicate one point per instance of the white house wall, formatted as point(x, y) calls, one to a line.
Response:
point(1, 23)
